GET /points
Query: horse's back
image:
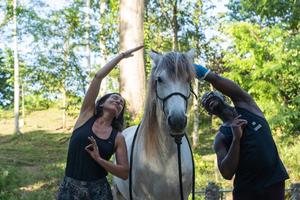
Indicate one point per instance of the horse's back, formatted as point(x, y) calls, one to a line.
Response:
point(128, 134)
point(120, 185)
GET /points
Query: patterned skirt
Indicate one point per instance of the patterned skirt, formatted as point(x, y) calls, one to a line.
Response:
point(72, 189)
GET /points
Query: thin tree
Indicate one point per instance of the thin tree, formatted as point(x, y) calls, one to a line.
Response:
point(172, 19)
point(63, 88)
point(198, 36)
point(16, 69)
point(175, 26)
point(87, 35)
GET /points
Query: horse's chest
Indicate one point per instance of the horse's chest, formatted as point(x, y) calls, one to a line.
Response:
point(161, 178)
point(165, 168)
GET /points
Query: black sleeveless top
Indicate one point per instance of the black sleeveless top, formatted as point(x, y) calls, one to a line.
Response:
point(259, 164)
point(80, 165)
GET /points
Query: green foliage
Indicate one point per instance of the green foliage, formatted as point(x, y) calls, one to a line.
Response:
point(191, 19)
point(7, 8)
point(129, 119)
point(37, 102)
point(6, 114)
point(289, 148)
point(73, 104)
point(108, 34)
point(264, 60)
point(269, 12)
point(6, 76)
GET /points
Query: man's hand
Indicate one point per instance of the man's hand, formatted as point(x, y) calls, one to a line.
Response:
point(237, 126)
point(92, 149)
point(201, 72)
point(129, 52)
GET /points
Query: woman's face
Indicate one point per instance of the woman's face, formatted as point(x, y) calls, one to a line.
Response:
point(114, 103)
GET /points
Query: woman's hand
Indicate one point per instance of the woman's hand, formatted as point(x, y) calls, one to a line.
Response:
point(92, 149)
point(128, 53)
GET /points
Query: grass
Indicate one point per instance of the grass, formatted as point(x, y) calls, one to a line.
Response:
point(32, 164)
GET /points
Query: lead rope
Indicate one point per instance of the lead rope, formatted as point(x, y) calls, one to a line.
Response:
point(178, 141)
point(131, 162)
point(193, 164)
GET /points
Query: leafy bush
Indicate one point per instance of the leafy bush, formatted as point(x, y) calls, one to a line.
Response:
point(37, 102)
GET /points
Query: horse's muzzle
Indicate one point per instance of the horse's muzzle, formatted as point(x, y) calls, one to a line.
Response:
point(177, 123)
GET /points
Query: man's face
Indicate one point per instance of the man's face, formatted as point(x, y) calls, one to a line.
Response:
point(214, 105)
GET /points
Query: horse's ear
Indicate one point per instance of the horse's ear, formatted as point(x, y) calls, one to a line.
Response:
point(191, 54)
point(155, 57)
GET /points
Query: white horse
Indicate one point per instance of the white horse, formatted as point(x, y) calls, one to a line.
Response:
point(155, 163)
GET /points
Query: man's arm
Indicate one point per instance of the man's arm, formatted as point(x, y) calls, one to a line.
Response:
point(239, 97)
point(227, 160)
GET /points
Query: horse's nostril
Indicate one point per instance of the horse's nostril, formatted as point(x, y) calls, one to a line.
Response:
point(170, 122)
point(184, 121)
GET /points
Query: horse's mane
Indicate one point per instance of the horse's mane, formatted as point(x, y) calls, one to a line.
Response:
point(178, 66)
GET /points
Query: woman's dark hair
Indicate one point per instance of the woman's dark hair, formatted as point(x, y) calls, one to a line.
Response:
point(117, 123)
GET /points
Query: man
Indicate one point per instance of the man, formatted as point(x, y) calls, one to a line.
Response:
point(243, 144)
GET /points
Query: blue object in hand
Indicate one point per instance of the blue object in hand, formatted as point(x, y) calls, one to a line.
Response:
point(201, 72)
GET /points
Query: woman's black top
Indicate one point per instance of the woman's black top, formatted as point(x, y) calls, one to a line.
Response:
point(80, 165)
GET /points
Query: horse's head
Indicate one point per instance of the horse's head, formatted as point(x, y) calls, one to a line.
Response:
point(171, 77)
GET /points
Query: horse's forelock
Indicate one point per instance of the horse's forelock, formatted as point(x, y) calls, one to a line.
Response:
point(177, 65)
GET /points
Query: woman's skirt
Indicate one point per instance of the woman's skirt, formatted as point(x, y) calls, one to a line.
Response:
point(72, 189)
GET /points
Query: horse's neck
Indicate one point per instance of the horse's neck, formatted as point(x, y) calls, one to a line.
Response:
point(166, 147)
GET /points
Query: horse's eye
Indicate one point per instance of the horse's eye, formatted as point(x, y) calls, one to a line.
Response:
point(159, 79)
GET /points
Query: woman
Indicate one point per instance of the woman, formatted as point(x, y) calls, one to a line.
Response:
point(96, 136)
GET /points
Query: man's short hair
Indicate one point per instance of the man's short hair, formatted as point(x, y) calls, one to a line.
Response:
point(209, 95)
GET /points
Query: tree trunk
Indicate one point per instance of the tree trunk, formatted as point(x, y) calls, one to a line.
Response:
point(196, 90)
point(175, 27)
point(132, 70)
point(63, 88)
point(87, 35)
point(16, 70)
point(196, 116)
point(64, 105)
